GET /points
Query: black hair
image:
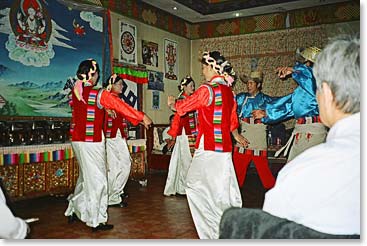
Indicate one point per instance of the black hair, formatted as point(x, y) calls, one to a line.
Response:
point(185, 81)
point(84, 68)
point(171, 117)
point(107, 82)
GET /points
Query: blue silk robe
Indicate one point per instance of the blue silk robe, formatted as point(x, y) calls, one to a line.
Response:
point(301, 103)
point(244, 110)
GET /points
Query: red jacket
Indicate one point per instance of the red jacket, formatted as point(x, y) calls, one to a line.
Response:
point(180, 122)
point(203, 100)
point(105, 100)
point(120, 122)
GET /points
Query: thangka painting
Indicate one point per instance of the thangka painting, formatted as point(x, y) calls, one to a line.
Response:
point(41, 45)
point(155, 81)
point(149, 53)
point(170, 59)
point(127, 43)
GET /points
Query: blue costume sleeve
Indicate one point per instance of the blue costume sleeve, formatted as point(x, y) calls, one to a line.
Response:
point(240, 98)
point(278, 109)
point(304, 77)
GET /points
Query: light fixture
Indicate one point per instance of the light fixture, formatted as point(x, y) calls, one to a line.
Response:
point(175, 8)
point(237, 14)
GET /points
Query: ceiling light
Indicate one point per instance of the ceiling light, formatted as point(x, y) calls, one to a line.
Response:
point(175, 8)
point(237, 14)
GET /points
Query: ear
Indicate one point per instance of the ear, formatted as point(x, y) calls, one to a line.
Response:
point(328, 95)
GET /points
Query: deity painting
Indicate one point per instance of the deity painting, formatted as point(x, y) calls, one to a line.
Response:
point(30, 24)
point(170, 58)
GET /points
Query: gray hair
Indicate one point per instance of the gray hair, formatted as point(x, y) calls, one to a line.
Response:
point(338, 66)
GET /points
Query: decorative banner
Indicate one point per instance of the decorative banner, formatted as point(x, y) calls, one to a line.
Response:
point(155, 100)
point(36, 153)
point(149, 53)
point(131, 78)
point(155, 81)
point(127, 43)
point(41, 46)
point(170, 58)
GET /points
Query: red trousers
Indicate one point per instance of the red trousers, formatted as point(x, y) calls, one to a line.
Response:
point(241, 163)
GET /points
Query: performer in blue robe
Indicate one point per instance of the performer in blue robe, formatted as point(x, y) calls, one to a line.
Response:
point(301, 105)
point(253, 130)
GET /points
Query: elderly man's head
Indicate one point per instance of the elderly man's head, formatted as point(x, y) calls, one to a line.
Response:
point(337, 71)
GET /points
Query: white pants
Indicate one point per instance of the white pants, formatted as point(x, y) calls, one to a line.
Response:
point(89, 201)
point(118, 167)
point(212, 187)
point(178, 166)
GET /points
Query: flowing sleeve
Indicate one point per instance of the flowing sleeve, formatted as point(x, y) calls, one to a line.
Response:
point(200, 98)
point(108, 101)
point(240, 98)
point(234, 117)
point(175, 126)
point(304, 78)
point(279, 109)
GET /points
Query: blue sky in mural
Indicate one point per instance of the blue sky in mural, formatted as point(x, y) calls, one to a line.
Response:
point(37, 57)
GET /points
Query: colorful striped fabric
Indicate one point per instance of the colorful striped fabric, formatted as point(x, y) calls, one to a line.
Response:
point(137, 76)
point(192, 122)
point(33, 157)
point(217, 118)
point(135, 149)
point(109, 127)
point(91, 111)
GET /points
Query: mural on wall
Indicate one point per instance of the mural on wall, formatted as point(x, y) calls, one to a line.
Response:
point(41, 46)
point(155, 81)
point(149, 53)
point(170, 58)
point(127, 43)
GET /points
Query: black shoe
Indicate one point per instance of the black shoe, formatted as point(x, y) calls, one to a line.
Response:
point(119, 205)
point(72, 218)
point(102, 227)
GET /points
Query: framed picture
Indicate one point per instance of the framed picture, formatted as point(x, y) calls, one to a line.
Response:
point(127, 43)
point(149, 53)
point(155, 100)
point(155, 81)
point(170, 59)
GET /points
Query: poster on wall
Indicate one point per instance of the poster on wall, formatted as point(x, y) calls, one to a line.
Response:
point(155, 100)
point(155, 81)
point(127, 43)
point(130, 93)
point(41, 46)
point(149, 53)
point(170, 59)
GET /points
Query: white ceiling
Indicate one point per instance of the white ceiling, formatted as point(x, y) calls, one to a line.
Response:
point(195, 17)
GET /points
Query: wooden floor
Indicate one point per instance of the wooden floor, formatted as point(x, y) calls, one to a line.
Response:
point(149, 214)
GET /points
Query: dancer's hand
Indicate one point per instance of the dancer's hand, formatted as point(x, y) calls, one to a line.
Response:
point(171, 100)
point(284, 71)
point(258, 114)
point(146, 121)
